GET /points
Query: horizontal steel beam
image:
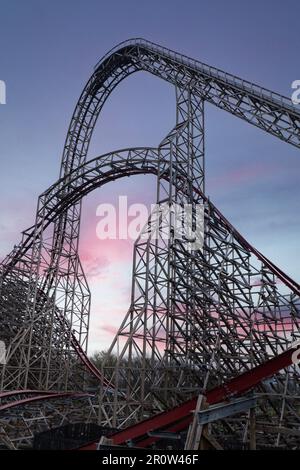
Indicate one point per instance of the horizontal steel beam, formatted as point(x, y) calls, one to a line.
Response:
point(224, 410)
point(182, 414)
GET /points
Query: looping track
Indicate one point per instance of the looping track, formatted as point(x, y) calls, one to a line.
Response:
point(196, 320)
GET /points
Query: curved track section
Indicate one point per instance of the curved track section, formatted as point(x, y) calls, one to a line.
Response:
point(107, 168)
point(32, 396)
point(223, 312)
point(23, 413)
point(263, 108)
point(94, 174)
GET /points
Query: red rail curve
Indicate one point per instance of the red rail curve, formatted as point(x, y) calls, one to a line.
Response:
point(21, 392)
point(235, 386)
point(289, 282)
point(179, 418)
point(88, 363)
point(83, 356)
point(40, 396)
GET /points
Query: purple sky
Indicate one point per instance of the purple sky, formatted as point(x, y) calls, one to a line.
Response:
point(47, 51)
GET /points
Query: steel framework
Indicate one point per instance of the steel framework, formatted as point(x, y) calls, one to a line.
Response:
point(198, 317)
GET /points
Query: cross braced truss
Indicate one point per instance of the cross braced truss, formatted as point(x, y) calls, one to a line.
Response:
point(198, 317)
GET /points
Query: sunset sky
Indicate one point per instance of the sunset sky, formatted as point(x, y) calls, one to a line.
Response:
point(47, 52)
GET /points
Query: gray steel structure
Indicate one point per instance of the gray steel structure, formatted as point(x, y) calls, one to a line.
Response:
point(197, 317)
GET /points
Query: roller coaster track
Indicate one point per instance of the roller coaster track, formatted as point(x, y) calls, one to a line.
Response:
point(96, 173)
point(23, 413)
point(34, 396)
point(179, 418)
point(107, 168)
point(59, 204)
point(38, 266)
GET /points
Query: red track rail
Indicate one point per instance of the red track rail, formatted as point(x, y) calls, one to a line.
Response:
point(83, 357)
point(294, 286)
point(277, 271)
point(288, 281)
point(40, 396)
point(22, 392)
point(180, 417)
point(88, 363)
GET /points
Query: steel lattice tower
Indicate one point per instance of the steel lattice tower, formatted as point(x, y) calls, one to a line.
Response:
point(198, 317)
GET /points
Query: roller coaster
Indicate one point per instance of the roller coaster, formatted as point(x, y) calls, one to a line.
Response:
point(205, 330)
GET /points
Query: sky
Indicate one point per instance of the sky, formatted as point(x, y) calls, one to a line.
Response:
point(47, 53)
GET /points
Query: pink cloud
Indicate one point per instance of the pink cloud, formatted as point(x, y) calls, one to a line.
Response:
point(109, 329)
point(244, 175)
point(106, 251)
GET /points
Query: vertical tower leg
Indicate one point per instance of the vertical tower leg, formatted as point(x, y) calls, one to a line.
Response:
point(153, 347)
